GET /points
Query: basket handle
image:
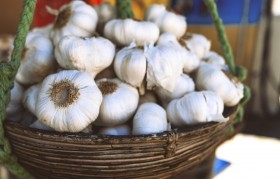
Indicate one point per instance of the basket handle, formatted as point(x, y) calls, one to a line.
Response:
point(237, 71)
point(8, 70)
point(124, 9)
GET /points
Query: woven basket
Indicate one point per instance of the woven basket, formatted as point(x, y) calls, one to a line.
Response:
point(59, 155)
point(65, 155)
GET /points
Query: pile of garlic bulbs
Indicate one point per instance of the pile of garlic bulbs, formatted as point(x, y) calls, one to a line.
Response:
point(132, 77)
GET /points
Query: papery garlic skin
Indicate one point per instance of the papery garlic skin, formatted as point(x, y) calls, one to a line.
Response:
point(130, 65)
point(214, 59)
point(37, 60)
point(196, 43)
point(166, 21)
point(120, 101)
point(167, 37)
point(105, 13)
point(116, 130)
point(14, 108)
point(91, 55)
point(191, 60)
point(165, 65)
point(77, 19)
point(194, 108)
point(68, 101)
point(30, 97)
point(124, 32)
point(211, 78)
point(150, 118)
point(45, 31)
point(183, 86)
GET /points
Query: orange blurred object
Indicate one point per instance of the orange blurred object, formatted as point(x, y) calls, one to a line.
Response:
point(42, 17)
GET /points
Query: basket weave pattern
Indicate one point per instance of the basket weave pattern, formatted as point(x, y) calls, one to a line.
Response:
point(57, 155)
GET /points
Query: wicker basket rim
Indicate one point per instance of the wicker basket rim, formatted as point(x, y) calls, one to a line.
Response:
point(99, 138)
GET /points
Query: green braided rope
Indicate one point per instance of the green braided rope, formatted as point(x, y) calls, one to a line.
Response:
point(238, 71)
point(212, 8)
point(124, 9)
point(8, 70)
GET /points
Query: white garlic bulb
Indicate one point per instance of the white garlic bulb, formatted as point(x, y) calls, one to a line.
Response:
point(124, 32)
point(6, 46)
point(30, 97)
point(148, 97)
point(166, 21)
point(91, 55)
point(191, 60)
point(214, 59)
point(165, 65)
point(196, 43)
point(37, 60)
point(76, 18)
point(167, 37)
point(105, 12)
point(116, 130)
point(130, 65)
point(68, 101)
point(14, 108)
point(150, 118)
point(211, 78)
point(184, 85)
point(120, 101)
point(45, 31)
point(196, 107)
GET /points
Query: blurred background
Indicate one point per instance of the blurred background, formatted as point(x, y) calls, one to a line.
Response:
point(252, 27)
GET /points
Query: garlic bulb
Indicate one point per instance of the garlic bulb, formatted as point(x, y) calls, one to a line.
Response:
point(150, 118)
point(91, 55)
point(214, 59)
point(196, 43)
point(6, 46)
point(148, 97)
point(105, 12)
point(184, 85)
point(211, 78)
point(196, 107)
point(166, 21)
point(30, 97)
point(14, 108)
point(124, 32)
point(130, 65)
point(68, 101)
point(37, 60)
point(191, 60)
point(116, 130)
point(45, 31)
point(167, 37)
point(76, 18)
point(120, 101)
point(165, 65)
